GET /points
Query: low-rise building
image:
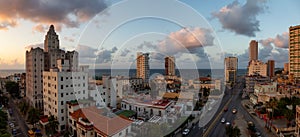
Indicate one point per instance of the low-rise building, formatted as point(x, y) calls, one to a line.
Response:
point(94, 122)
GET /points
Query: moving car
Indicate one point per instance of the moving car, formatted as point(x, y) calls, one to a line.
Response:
point(225, 109)
point(227, 123)
point(234, 111)
point(185, 131)
point(223, 120)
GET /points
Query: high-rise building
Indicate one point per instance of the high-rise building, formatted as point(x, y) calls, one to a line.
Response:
point(39, 60)
point(271, 68)
point(294, 48)
point(169, 66)
point(231, 66)
point(142, 66)
point(34, 76)
point(253, 50)
point(257, 67)
point(61, 86)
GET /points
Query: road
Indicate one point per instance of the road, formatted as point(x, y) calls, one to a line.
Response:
point(218, 130)
point(18, 120)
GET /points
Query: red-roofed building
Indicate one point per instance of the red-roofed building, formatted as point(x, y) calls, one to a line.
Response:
point(94, 122)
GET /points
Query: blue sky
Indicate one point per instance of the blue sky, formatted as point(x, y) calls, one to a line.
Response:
point(221, 28)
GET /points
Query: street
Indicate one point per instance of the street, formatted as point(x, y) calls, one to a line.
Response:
point(18, 120)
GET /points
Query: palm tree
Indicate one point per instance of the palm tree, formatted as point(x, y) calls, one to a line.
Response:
point(33, 116)
point(53, 124)
point(272, 104)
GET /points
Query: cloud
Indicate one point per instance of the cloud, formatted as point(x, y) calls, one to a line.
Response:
point(185, 39)
point(59, 12)
point(280, 41)
point(241, 19)
point(70, 39)
point(91, 55)
point(11, 63)
point(41, 45)
point(86, 51)
point(280, 55)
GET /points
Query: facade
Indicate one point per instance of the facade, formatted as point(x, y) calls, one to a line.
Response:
point(253, 50)
point(286, 68)
point(297, 132)
point(294, 54)
point(252, 80)
point(145, 106)
point(60, 86)
point(257, 67)
point(34, 76)
point(142, 66)
point(271, 68)
point(170, 66)
point(231, 66)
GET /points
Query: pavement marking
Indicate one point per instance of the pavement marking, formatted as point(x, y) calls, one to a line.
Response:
point(215, 120)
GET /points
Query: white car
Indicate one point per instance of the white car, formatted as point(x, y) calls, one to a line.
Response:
point(223, 120)
point(227, 123)
point(185, 131)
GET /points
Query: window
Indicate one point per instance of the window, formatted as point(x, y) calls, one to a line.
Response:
point(83, 91)
point(62, 95)
point(61, 86)
point(62, 111)
point(61, 78)
point(83, 84)
point(62, 102)
point(83, 77)
point(67, 77)
point(67, 94)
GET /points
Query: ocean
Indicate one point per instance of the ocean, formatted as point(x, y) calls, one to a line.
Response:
point(5, 73)
point(185, 73)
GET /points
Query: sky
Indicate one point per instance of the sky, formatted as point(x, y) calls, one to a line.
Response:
point(107, 34)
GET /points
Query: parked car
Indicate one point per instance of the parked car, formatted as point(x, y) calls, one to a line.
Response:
point(225, 109)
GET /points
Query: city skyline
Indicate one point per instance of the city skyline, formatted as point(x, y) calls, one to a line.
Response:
point(21, 31)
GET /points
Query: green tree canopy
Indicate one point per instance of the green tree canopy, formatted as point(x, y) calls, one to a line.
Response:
point(12, 88)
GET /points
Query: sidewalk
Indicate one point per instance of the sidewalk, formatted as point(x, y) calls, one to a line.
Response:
point(258, 121)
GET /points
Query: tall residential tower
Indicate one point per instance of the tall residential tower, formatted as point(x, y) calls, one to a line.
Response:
point(294, 49)
point(142, 66)
point(170, 66)
point(231, 66)
point(253, 50)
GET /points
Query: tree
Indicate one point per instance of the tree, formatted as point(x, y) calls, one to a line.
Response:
point(53, 124)
point(233, 131)
point(12, 88)
point(272, 104)
point(33, 116)
point(289, 115)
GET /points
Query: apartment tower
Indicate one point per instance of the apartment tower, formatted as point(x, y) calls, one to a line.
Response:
point(294, 49)
point(231, 66)
point(142, 66)
point(170, 66)
point(253, 50)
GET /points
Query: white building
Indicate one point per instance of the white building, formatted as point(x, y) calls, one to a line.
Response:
point(257, 67)
point(61, 85)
